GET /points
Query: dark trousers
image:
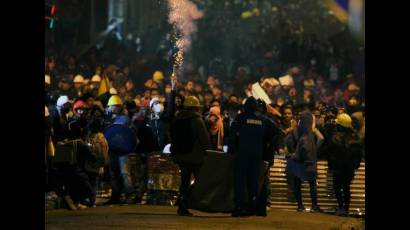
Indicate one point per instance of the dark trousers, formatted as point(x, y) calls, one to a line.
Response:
point(142, 175)
point(263, 198)
point(187, 170)
point(246, 182)
point(341, 186)
point(73, 181)
point(297, 189)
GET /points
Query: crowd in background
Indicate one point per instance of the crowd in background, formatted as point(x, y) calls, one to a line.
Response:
point(141, 93)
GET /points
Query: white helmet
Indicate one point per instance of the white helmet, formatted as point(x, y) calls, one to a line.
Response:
point(96, 78)
point(113, 91)
point(47, 79)
point(78, 79)
point(62, 100)
point(153, 100)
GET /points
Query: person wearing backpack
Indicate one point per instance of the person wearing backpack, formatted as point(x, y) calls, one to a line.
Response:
point(344, 151)
point(97, 157)
point(189, 142)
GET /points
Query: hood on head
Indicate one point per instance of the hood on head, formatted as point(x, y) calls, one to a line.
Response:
point(305, 123)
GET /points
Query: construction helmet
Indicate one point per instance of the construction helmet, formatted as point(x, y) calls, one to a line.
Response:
point(191, 101)
point(78, 79)
point(114, 100)
point(80, 104)
point(62, 100)
point(96, 78)
point(158, 76)
point(153, 100)
point(344, 120)
point(113, 91)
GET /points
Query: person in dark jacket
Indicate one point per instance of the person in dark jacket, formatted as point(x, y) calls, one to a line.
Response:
point(97, 156)
point(303, 163)
point(344, 151)
point(75, 180)
point(247, 145)
point(189, 142)
point(58, 116)
point(119, 167)
point(156, 121)
point(272, 132)
point(153, 131)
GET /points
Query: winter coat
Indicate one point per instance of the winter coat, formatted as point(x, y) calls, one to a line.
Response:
point(189, 138)
point(306, 149)
point(247, 133)
point(303, 162)
point(59, 123)
point(158, 127)
point(272, 131)
point(343, 150)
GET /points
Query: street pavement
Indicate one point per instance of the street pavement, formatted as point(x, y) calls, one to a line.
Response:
point(164, 217)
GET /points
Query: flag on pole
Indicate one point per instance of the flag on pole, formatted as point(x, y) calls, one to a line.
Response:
point(350, 13)
point(104, 86)
point(339, 8)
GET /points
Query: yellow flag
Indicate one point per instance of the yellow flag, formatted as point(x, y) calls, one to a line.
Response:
point(50, 148)
point(104, 85)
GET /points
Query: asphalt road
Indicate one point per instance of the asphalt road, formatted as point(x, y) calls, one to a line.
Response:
point(164, 217)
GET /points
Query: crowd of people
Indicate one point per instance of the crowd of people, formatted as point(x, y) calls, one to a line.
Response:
point(310, 116)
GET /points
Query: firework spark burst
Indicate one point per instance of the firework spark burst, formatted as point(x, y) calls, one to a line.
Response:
point(182, 14)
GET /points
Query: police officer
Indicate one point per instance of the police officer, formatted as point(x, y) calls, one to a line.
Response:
point(270, 143)
point(189, 142)
point(247, 145)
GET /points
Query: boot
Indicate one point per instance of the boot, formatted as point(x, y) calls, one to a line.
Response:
point(182, 207)
point(300, 208)
point(240, 212)
point(183, 211)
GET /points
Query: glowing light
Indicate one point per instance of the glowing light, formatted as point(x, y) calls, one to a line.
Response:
point(182, 14)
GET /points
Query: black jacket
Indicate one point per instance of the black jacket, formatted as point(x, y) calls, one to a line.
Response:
point(154, 134)
point(59, 123)
point(247, 133)
point(306, 150)
point(189, 138)
point(343, 150)
point(272, 132)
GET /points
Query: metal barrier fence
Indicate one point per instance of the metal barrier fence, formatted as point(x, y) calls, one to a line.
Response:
point(281, 194)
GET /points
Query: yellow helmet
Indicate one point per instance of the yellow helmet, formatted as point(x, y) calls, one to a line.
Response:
point(191, 101)
point(158, 76)
point(344, 120)
point(246, 14)
point(114, 100)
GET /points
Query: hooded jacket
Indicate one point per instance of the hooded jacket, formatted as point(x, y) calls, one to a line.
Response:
point(189, 138)
point(306, 150)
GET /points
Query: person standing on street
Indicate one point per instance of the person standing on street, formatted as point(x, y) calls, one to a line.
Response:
point(189, 142)
point(247, 145)
point(344, 152)
point(303, 163)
